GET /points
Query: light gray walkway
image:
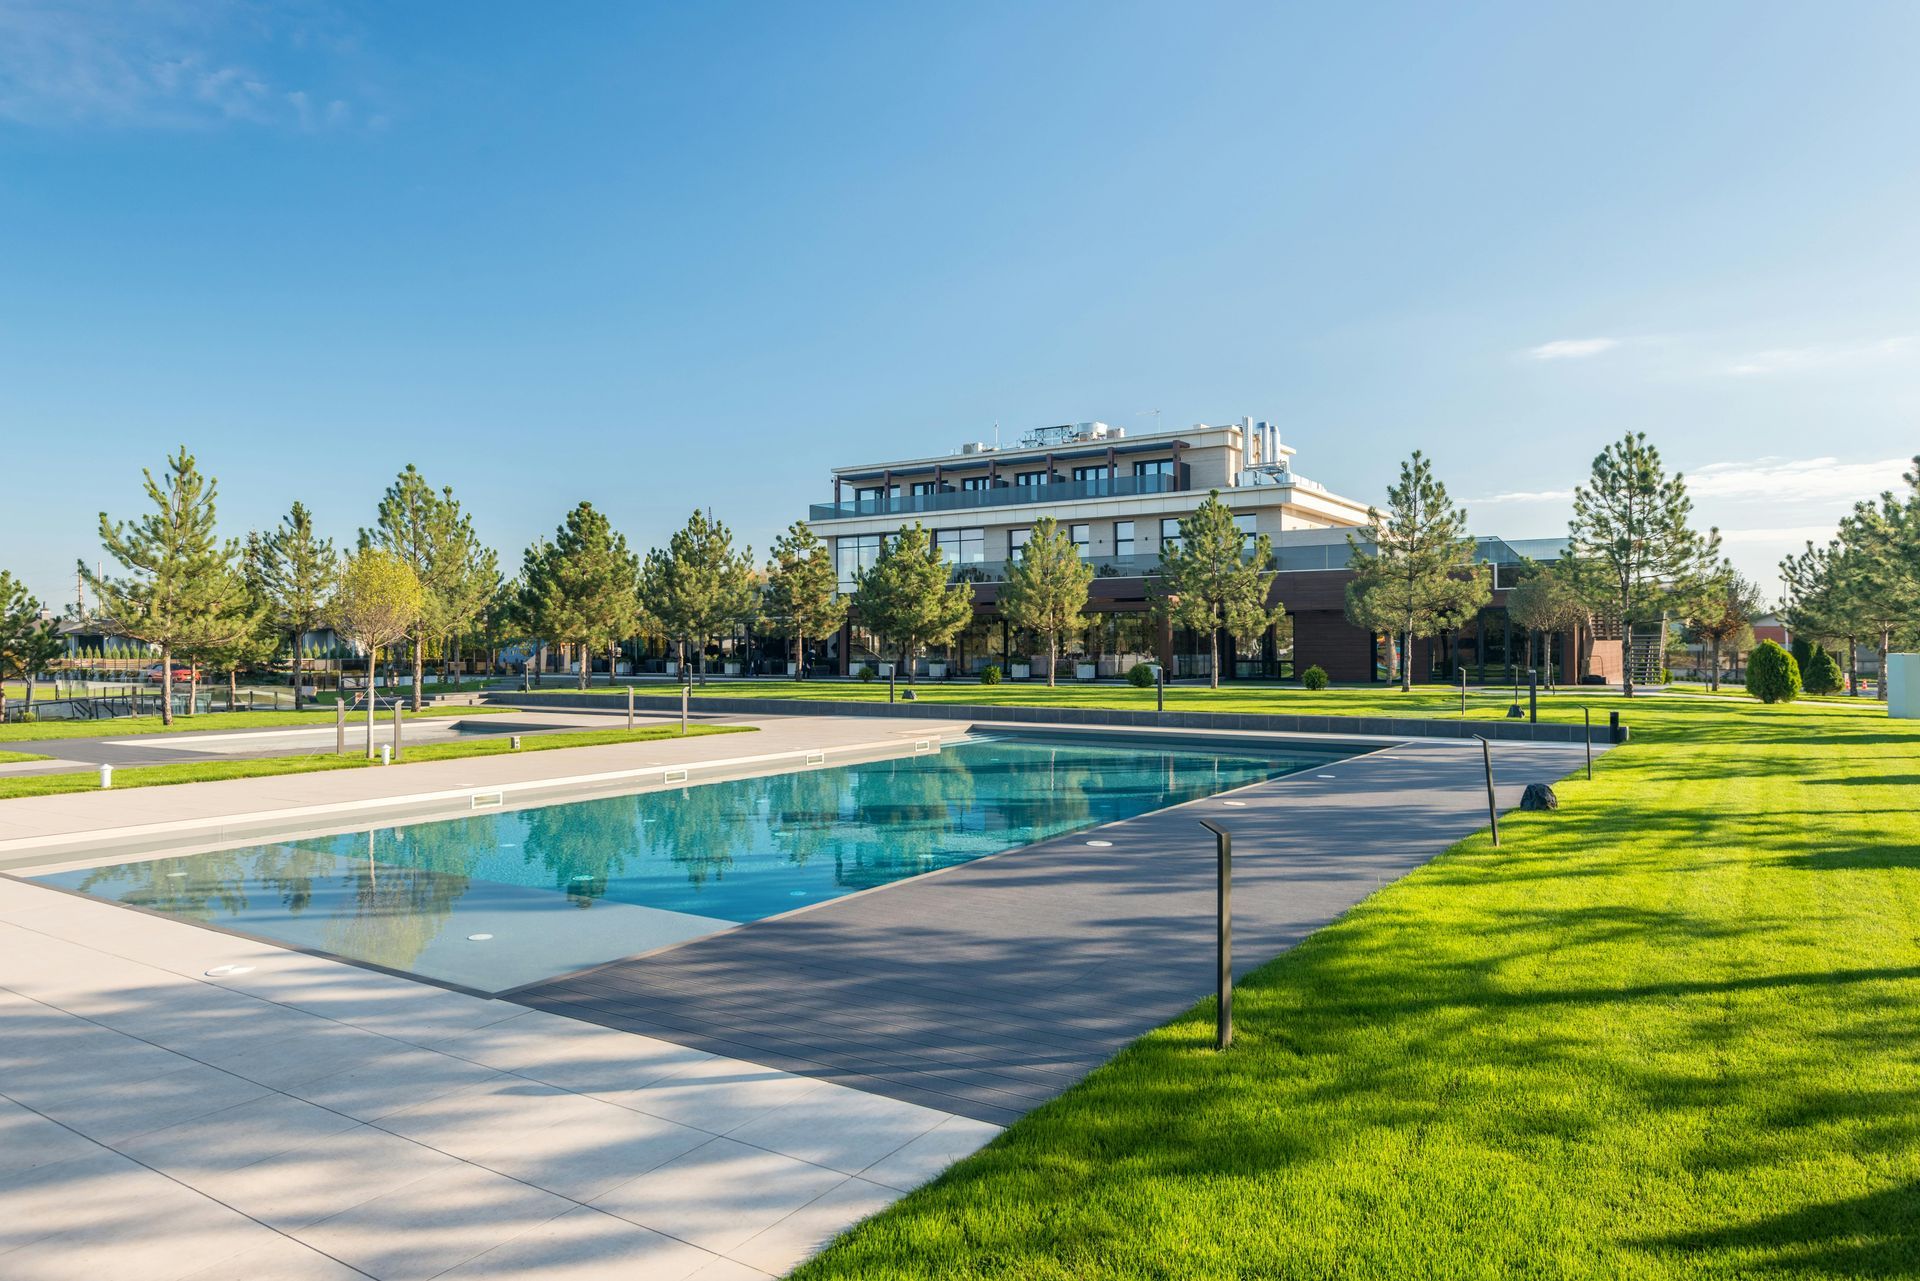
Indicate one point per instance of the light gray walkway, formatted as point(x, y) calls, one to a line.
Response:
point(993, 986)
point(176, 1103)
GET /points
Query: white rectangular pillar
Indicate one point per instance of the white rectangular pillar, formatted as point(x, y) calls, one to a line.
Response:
point(1903, 686)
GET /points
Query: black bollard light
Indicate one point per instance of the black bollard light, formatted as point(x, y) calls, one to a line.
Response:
point(1223, 937)
point(1493, 809)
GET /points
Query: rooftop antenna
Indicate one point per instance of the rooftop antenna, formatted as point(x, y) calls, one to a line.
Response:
point(1156, 418)
point(996, 433)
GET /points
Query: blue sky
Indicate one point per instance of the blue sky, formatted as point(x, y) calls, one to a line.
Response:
point(658, 256)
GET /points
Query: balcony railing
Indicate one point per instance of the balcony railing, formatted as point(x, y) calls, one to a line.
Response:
point(999, 496)
point(995, 571)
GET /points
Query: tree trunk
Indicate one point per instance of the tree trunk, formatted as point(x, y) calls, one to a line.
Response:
point(1053, 657)
point(419, 666)
point(1886, 643)
point(1406, 661)
point(586, 666)
point(1213, 654)
point(799, 652)
point(371, 650)
point(297, 703)
point(1713, 679)
point(1626, 659)
point(166, 685)
point(1853, 665)
point(193, 687)
point(233, 686)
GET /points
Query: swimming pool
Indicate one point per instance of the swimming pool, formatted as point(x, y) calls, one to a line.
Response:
point(507, 898)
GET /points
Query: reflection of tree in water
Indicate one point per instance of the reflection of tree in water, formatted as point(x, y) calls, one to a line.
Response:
point(910, 809)
point(583, 845)
point(398, 908)
point(290, 871)
point(804, 812)
point(198, 887)
point(699, 828)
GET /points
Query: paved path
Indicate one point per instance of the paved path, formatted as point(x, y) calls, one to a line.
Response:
point(991, 987)
point(207, 741)
point(306, 1120)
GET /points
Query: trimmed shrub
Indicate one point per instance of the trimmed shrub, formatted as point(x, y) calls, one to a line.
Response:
point(990, 674)
point(1803, 653)
point(869, 671)
point(1822, 673)
point(1772, 675)
point(1140, 675)
point(1314, 677)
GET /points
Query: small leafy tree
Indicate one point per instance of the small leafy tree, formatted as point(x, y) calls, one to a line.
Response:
point(1722, 609)
point(1212, 581)
point(1419, 576)
point(1545, 600)
point(803, 591)
point(1631, 537)
point(178, 590)
point(457, 573)
point(378, 602)
point(1772, 675)
point(699, 586)
point(254, 639)
point(582, 588)
point(297, 570)
point(906, 597)
point(1046, 588)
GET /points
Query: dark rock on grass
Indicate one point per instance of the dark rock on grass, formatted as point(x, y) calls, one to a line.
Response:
point(1539, 796)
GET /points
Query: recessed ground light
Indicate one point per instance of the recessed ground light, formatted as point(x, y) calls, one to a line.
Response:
point(221, 971)
point(1100, 844)
point(1323, 776)
point(1233, 802)
point(478, 938)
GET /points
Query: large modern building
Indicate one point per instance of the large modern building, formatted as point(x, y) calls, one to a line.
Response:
point(1121, 498)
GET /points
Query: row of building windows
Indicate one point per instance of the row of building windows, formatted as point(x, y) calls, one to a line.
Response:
point(855, 553)
point(924, 488)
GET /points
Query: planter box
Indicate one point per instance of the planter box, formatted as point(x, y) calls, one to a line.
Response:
point(1084, 671)
point(731, 669)
point(673, 668)
point(1021, 671)
point(885, 669)
point(937, 671)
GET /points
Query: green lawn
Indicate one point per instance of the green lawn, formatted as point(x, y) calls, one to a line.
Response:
point(16, 758)
point(208, 771)
point(1672, 1030)
point(205, 722)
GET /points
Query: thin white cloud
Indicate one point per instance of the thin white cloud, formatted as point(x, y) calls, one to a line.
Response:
point(167, 64)
point(1523, 496)
point(1824, 357)
point(1572, 348)
point(1796, 480)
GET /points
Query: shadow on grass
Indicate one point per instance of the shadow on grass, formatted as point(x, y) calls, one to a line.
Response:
point(1874, 1235)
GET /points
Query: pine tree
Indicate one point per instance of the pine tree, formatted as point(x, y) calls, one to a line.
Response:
point(28, 642)
point(1046, 588)
point(581, 588)
point(1631, 539)
point(907, 596)
point(1419, 576)
point(179, 590)
point(1545, 600)
point(1210, 580)
point(457, 574)
point(803, 592)
point(698, 586)
point(297, 571)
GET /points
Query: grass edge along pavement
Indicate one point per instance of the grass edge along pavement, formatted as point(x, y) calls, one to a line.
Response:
point(211, 771)
point(1667, 1032)
point(205, 723)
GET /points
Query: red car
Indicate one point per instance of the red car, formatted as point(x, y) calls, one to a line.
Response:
point(182, 674)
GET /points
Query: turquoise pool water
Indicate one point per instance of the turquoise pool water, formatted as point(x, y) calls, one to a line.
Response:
point(506, 898)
